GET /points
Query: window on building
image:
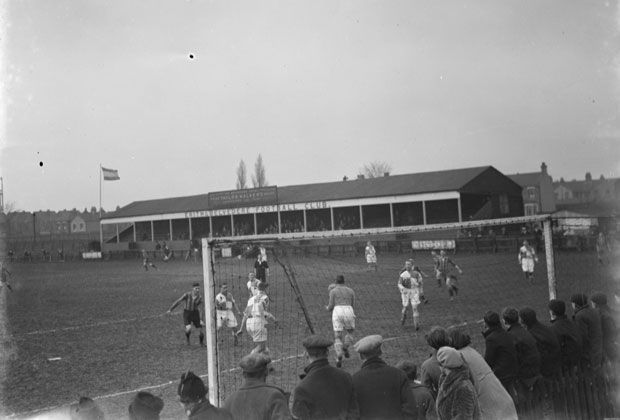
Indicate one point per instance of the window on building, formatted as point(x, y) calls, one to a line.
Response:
point(531, 193)
point(531, 209)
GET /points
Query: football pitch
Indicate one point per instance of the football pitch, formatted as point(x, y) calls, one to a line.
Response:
point(99, 329)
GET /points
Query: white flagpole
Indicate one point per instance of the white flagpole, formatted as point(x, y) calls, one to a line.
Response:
point(100, 227)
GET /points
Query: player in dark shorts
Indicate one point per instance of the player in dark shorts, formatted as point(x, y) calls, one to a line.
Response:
point(261, 268)
point(191, 312)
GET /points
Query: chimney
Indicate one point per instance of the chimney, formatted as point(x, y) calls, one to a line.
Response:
point(588, 176)
point(386, 174)
point(360, 176)
point(345, 178)
point(543, 168)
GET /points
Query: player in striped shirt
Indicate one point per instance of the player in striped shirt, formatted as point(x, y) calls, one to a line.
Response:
point(527, 258)
point(443, 266)
point(341, 302)
point(191, 312)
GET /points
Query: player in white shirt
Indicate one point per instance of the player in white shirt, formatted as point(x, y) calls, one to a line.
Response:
point(224, 305)
point(409, 287)
point(341, 302)
point(252, 284)
point(371, 256)
point(255, 319)
point(527, 258)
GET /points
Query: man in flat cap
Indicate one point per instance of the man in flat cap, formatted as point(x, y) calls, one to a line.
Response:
point(341, 302)
point(588, 320)
point(382, 391)
point(192, 394)
point(325, 392)
point(255, 399)
point(568, 335)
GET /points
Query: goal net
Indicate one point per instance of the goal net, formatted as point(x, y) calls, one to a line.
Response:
point(302, 266)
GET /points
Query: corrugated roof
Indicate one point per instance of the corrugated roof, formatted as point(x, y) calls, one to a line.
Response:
point(425, 182)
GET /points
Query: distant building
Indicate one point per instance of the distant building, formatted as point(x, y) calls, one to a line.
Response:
point(78, 224)
point(595, 197)
point(537, 191)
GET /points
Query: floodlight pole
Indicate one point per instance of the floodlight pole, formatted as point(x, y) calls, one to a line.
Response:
point(550, 258)
point(209, 293)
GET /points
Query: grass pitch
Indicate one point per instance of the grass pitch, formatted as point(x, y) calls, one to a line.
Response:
point(100, 329)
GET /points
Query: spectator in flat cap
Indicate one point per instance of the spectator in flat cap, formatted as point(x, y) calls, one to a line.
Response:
point(325, 392)
point(493, 399)
point(86, 409)
point(500, 352)
point(546, 342)
point(457, 397)
point(422, 397)
point(383, 391)
point(255, 399)
point(528, 356)
point(430, 370)
point(567, 333)
point(609, 328)
point(588, 320)
point(192, 394)
point(145, 406)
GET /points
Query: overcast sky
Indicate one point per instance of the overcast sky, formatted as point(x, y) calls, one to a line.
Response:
point(318, 87)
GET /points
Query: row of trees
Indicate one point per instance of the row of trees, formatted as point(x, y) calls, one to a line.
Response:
point(372, 169)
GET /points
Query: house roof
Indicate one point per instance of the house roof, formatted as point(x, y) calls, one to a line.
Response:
point(527, 179)
point(425, 182)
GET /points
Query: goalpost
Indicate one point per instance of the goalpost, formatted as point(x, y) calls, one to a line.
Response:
point(303, 265)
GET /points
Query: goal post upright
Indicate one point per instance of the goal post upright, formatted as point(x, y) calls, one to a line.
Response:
point(549, 258)
point(210, 327)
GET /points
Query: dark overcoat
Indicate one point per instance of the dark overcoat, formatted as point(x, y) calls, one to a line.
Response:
point(549, 349)
point(528, 356)
point(588, 321)
point(569, 337)
point(501, 354)
point(256, 400)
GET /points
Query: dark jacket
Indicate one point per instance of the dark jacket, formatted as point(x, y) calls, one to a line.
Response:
point(569, 337)
point(588, 321)
point(457, 396)
point(430, 373)
point(206, 411)
point(424, 401)
point(501, 354)
point(528, 356)
point(383, 391)
point(549, 349)
point(256, 400)
point(610, 333)
point(325, 392)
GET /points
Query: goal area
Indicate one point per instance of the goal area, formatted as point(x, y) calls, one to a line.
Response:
point(303, 265)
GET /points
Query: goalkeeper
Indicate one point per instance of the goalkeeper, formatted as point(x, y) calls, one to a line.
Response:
point(341, 302)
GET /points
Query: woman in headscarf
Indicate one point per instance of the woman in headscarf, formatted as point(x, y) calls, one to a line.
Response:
point(457, 397)
point(430, 371)
point(494, 401)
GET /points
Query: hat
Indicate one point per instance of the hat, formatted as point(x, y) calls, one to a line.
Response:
point(254, 362)
point(368, 344)
point(449, 357)
point(196, 284)
point(317, 342)
point(191, 388)
point(579, 299)
point(557, 306)
point(86, 409)
point(599, 298)
point(145, 406)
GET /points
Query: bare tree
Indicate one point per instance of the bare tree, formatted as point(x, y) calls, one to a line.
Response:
point(259, 178)
point(376, 169)
point(242, 176)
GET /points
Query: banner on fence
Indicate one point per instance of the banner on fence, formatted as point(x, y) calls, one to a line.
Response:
point(436, 244)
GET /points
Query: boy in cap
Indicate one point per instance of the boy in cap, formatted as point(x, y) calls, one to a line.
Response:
point(382, 391)
point(255, 319)
point(145, 406)
point(341, 302)
point(324, 391)
point(255, 399)
point(191, 312)
point(192, 394)
point(424, 401)
point(567, 333)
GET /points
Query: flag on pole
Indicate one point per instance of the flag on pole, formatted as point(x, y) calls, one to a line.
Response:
point(110, 174)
